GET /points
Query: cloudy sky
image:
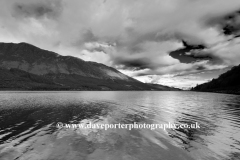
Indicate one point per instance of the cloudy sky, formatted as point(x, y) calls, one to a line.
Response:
point(178, 43)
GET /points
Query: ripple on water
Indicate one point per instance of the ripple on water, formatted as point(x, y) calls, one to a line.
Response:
point(28, 119)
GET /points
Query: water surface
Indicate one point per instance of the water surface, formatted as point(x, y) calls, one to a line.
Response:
point(28, 126)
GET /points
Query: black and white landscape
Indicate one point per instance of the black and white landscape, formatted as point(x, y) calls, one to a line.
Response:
point(119, 62)
point(26, 67)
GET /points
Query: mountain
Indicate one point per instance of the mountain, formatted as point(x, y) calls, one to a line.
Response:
point(34, 60)
point(17, 79)
point(161, 87)
point(27, 67)
point(228, 82)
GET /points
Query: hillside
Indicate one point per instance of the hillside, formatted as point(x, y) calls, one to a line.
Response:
point(34, 60)
point(26, 67)
point(161, 87)
point(228, 82)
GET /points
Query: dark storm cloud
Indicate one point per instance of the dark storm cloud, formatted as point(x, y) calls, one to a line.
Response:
point(136, 64)
point(229, 23)
point(190, 47)
point(40, 9)
point(232, 25)
point(201, 68)
point(188, 54)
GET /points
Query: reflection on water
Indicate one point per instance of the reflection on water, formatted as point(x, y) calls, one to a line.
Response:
point(28, 131)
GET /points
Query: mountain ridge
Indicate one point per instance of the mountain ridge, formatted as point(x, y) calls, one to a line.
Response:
point(227, 82)
point(42, 62)
point(27, 63)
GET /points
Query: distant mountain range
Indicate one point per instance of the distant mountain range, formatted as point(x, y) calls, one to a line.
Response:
point(26, 67)
point(228, 82)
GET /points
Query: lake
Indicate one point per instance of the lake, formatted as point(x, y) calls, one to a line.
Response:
point(28, 128)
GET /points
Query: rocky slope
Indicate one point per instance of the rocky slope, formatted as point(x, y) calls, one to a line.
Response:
point(26, 67)
point(34, 60)
point(228, 82)
point(15, 79)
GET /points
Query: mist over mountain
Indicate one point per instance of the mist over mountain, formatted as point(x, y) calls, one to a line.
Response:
point(225, 83)
point(25, 66)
